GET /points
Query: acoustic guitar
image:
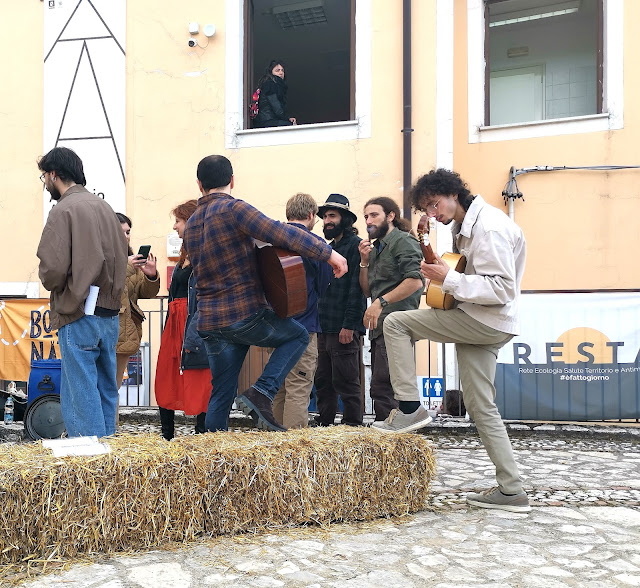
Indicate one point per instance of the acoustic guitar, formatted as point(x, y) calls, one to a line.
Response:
point(436, 298)
point(283, 279)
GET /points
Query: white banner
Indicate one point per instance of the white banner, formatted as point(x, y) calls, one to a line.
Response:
point(577, 357)
point(84, 90)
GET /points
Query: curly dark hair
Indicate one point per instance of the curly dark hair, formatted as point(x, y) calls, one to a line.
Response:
point(440, 182)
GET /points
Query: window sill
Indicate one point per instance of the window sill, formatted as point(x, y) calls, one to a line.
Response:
point(545, 128)
point(293, 135)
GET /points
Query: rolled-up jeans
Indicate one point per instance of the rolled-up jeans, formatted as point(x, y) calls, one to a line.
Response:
point(227, 348)
point(88, 389)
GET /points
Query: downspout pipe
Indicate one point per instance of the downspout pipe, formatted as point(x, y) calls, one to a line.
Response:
point(406, 110)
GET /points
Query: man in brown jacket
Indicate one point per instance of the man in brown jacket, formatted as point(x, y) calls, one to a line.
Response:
point(82, 245)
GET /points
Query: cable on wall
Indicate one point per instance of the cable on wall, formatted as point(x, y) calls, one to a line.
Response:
point(511, 191)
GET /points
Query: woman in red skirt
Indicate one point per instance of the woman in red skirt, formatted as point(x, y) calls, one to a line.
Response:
point(183, 378)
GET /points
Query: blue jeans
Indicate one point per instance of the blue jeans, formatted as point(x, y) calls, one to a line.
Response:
point(227, 348)
point(88, 390)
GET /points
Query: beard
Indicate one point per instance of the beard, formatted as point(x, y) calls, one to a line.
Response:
point(54, 193)
point(378, 232)
point(331, 231)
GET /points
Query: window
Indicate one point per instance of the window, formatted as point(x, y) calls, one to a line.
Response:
point(314, 40)
point(544, 59)
point(328, 68)
point(547, 67)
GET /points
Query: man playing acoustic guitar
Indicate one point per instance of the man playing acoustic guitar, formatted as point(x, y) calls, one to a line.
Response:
point(233, 312)
point(485, 319)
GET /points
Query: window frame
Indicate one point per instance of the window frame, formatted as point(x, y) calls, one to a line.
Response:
point(237, 136)
point(610, 79)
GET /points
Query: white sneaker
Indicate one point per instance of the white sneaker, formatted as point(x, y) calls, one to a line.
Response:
point(398, 422)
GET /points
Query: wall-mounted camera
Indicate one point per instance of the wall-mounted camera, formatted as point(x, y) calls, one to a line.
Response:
point(192, 42)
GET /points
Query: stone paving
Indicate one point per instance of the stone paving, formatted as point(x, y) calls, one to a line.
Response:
point(584, 530)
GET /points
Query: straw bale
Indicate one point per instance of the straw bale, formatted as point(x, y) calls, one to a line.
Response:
point(148, 492)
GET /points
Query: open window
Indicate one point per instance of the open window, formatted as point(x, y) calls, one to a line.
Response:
point(316, 41)
point(544, 60)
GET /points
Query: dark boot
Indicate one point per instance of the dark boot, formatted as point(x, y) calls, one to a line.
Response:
point(167, 423)
point(260, 408)
point(200, 428)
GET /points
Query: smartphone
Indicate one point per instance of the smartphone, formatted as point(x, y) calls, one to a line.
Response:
point(144, 251)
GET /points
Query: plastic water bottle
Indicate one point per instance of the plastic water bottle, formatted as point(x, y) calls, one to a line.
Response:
point(8, 410)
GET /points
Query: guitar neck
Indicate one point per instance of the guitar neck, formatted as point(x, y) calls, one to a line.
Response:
point(429, 256)
point(423, 230)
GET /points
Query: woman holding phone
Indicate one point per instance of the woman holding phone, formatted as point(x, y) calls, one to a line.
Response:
point(183, 377)
point(142, 281)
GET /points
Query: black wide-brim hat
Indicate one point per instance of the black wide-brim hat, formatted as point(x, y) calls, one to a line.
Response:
point(339, 202)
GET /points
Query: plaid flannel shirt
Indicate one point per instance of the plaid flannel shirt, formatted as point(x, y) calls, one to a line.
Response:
point(218, 239)
point(343, 305)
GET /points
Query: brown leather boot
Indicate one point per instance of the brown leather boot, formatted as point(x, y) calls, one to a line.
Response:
point(260, 408)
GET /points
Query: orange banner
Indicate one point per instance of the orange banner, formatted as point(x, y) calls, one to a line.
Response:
point(25, 335)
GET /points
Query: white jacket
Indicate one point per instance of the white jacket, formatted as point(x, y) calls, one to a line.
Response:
point(495, 249)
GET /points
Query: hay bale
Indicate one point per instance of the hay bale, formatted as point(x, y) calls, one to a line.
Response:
point(147, 492)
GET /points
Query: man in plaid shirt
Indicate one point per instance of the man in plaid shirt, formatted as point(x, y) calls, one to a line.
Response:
point(232, 311)
point(341, 310)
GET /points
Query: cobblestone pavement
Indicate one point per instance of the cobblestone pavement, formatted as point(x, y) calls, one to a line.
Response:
point(584, 531)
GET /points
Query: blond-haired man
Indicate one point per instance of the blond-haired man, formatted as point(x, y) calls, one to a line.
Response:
point(291, 403)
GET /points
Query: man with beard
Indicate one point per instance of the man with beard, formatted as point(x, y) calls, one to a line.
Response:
point(390, 274)
point(82, 245)
point(341, 310)
point(233, 313)
point(485, 319)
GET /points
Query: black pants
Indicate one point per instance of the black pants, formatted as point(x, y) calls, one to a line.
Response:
point(168, 425)
point(338, 374)
point(381, 390)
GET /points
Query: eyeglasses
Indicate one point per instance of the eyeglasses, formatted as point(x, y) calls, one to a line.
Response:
point(42, 177)
point(433, 206)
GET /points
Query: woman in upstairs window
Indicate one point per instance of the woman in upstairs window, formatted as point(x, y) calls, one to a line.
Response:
point(272, 104)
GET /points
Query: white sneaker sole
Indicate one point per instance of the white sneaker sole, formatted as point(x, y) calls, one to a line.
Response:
point(409, 429)
point(507, 507)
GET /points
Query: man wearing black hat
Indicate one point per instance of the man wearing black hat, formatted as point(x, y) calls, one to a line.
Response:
point(341, 310)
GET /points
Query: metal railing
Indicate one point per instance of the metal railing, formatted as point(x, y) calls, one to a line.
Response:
point(441, 376)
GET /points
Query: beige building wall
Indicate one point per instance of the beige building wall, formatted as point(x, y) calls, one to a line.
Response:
point(579, 225)
point(175, 109)
point(21, 144)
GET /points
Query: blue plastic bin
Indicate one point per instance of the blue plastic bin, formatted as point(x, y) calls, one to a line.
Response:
point(44, 378)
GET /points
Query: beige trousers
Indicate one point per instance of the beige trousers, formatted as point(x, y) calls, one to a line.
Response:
point(477, 347)
point(291, 403)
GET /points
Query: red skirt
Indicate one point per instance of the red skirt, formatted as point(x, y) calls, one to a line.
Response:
point(191, 390)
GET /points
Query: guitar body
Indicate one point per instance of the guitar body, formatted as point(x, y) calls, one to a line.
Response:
point(283, 280)
point(436, 298)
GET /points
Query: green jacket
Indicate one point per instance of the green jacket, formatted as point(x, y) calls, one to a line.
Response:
point(399, 258)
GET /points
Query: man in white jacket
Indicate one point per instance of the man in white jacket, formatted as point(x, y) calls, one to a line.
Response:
point(485, 319)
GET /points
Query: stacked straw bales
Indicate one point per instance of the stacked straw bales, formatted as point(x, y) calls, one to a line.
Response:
point(147, 492)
